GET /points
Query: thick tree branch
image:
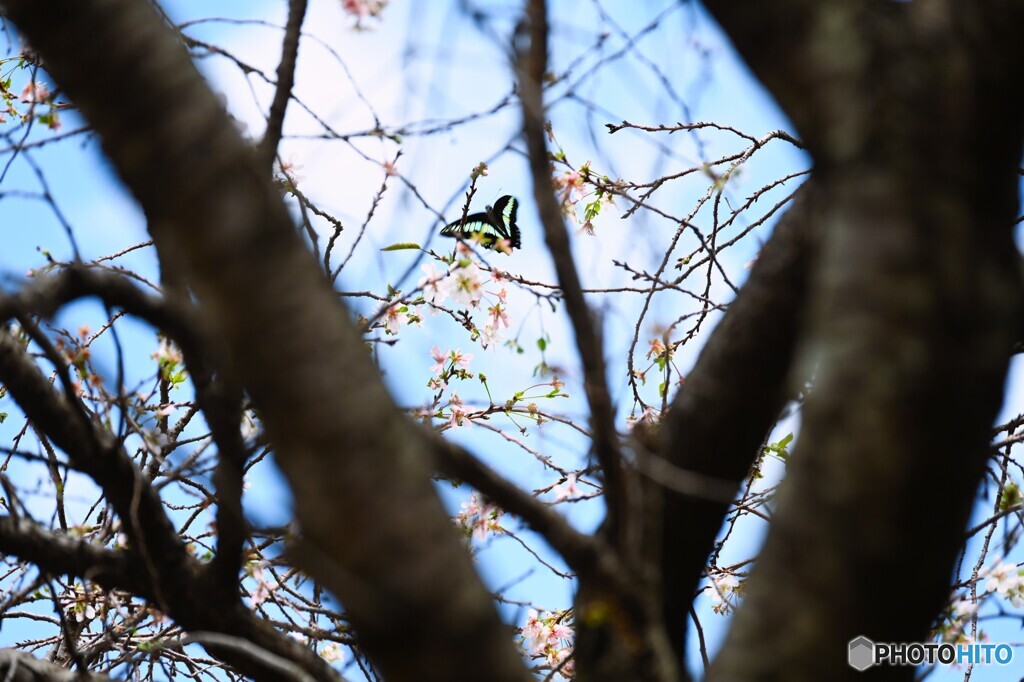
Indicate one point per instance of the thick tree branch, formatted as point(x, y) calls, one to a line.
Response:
point(62, 555)
point(44, 296)
point(587, 555)
point(285, 81)
point(16, 666)
point(532, 64)
point(715, 430)
point(221, 403)
point(917, 140)
point(373, 529)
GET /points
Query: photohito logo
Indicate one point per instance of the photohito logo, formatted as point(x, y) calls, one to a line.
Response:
point(863, 653)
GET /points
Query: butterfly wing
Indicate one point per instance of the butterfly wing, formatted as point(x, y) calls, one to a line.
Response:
point(495, 225)
point(476, 223)
point(504, 213)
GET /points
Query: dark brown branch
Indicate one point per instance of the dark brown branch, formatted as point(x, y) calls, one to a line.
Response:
point(285, 81)
point(19, 667)
point(44, 297)
point(221, 403)
point(532, 64)
point(715, 430)
point(62, 555)
point(198, 599)
point(586, 555)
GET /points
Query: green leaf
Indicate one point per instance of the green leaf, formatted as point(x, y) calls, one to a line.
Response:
point(1011, 497)
point(542, 344)
point(402, 246)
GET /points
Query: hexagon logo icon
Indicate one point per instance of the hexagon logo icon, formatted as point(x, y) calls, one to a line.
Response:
point(862, 653)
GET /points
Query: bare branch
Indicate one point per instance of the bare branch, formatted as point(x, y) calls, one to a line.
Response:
point(19, 667)
point(285, 81)
point(532, 63)
point(62, 555)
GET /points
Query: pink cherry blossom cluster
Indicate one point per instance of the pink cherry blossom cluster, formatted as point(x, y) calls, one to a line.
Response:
point(568, 489)
point(957, 629)
point(398, 315)
point(1005, 580)
point(725, 593)
point(463, 283)
point(549, 635)
point(263, 585)
point(34, 92)
point(363, 9)
point(479, 517)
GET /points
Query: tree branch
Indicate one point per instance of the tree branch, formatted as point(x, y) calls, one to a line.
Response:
point(285, 81)
point(62, 555)
point(19, 667)
point(587, 555)
point(532, 65)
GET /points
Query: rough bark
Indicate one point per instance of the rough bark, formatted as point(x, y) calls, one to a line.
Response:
point(912, 114)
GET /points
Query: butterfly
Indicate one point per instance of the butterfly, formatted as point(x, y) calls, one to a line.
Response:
point(493, 225)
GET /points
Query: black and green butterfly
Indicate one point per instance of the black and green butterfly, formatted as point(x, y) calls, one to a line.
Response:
point(494, 225)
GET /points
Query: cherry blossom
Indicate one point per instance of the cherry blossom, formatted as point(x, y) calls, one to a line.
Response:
point(432, 284)
point(34, 92)
point(724, 593)
point(657, 349)
point(479, 517)
point(1005, 579)
point(567, 490)
point(440, 360)
point(464, 285)
point(964, 609)
point(498, 314)
point(457, 413)
point(461, 359)
point(168, 353)
point(363, 8)
point(571, 184)
point(548, 635)
point(489, 336)
point(332, 653)
point(394, 318)
point(399, 314)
